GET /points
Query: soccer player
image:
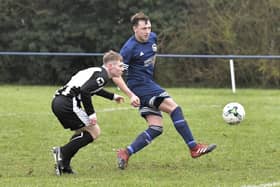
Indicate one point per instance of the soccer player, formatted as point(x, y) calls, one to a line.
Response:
point(67, 107)
point(139, 53)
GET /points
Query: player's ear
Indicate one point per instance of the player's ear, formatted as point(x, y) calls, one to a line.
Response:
point(110, 65)
point(134, 28)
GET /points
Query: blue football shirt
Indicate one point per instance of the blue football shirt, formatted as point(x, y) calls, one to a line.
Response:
point(140, 58)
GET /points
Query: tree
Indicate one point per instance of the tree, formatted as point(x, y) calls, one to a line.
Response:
point(183, 26)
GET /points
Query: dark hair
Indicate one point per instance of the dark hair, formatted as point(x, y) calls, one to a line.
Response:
point(110, 56)
point(137, 17)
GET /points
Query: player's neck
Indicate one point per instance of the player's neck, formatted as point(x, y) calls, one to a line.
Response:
point(108, 73)
point(138, 39)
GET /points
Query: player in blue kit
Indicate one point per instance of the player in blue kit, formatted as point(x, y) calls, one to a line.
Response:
point(139, 54)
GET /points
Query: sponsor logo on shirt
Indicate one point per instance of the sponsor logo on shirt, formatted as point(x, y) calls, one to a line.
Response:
point(154, 47)
point(100, 81)
point(149, 61)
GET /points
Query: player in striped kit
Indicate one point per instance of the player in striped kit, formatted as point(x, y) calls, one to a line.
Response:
point(67, 107)
point(139, 53)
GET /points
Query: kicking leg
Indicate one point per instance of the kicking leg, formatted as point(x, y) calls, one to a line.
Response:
point(182, 127)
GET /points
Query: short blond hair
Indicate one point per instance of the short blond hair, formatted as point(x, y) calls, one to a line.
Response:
point(138, 17)
point(111, 56)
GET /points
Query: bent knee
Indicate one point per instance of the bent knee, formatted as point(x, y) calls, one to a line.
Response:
point(94, 131)
point(155, 130)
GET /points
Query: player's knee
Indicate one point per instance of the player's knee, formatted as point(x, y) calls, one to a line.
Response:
point(154, 131)
point(94, 131)
point(97, 131)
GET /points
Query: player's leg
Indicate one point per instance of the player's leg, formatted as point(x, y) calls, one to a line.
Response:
point(64, 154)
point(154, 129)
point(94, 130)
point(76, 119)
point(62, 108)
point(146, 137)
point(169, 106)
point(80, 139)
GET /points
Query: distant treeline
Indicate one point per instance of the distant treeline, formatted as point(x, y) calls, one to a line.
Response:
point(240, 27)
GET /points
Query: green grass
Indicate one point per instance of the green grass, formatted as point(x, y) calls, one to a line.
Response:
point(247, 154)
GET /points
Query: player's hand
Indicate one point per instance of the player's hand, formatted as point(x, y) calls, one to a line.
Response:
point(118, 98)
point(135, 101)
point(93, 119)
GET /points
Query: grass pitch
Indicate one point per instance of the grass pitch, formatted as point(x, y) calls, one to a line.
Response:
point(247, 154)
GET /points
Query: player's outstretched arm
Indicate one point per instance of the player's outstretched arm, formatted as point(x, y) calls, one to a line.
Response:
point(108, 95)
point(118, 98)
point(134, 100)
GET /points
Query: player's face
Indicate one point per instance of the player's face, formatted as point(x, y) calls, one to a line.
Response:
point(142, 30)
point(116, 68)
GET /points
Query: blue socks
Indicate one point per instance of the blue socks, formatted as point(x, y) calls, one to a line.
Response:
point(144, 139)
point(182, 127)
point(153, 131)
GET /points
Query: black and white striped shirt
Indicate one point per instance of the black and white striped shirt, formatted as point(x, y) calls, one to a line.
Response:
point(86, 83)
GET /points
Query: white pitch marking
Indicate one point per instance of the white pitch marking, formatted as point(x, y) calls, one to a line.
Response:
point(4, 114)
point(48, 113)
point(263, 185)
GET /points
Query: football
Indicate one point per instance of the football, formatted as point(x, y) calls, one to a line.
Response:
point(233, 113)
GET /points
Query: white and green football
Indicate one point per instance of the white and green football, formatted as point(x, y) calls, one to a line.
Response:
point(233, 113)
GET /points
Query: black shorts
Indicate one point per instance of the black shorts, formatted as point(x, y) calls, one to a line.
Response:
point(67, 111)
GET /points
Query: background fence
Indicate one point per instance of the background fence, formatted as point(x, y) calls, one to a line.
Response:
point(172, 58)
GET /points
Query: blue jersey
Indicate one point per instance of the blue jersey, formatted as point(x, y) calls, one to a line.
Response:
point(140, 58)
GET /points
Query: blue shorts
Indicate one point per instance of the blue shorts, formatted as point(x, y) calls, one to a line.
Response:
point(150, 94)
